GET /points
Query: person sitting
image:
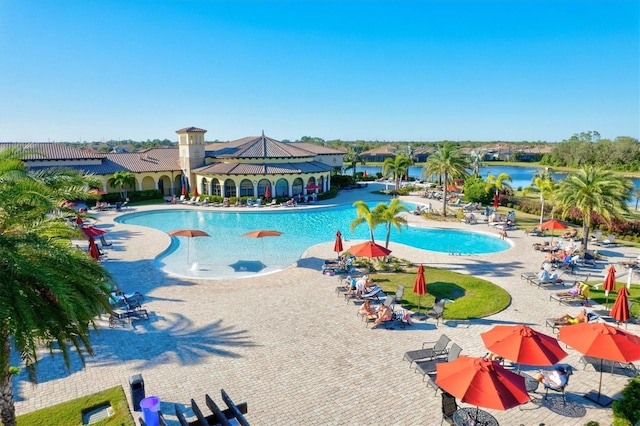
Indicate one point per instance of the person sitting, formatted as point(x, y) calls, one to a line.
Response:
point(568, 319)
point(573, 291)
point(384, 314)
point(493, 357)
point(367, 311)
point(554, 379)
point(290, 203)
point(351, 282)
point(543, 275)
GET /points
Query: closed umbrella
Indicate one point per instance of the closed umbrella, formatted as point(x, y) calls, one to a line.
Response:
point(600, 340)
point(620, 309)
point(419, 286)
point(94, 252)
point(79, 220)
point(92, 231)
point(609, 283)
point(523, 345)
point(189, 233)
point(337, 246)
point(195, 191)
point(496, 201)
point(184, 191)
point(267, 192)
point(261, 234)
point(369, 249)
point(482, 383)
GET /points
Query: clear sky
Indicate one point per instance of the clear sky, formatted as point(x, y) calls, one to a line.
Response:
point(375, 70)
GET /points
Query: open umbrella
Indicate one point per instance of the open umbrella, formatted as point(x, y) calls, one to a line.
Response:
point(337, 246)
point(312, 186)
point(523, 345)
point(609, 283)
point(189, 233)
point(369, 249)
point(261, 234)
point(482, 383)
point(419, 286)
point(553, 224)
point(600, 340)
point(620, 309)
point(267, 192)
point(92, 231)
point(93, 249)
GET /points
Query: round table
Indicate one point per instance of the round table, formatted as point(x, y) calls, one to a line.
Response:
point(473, 417)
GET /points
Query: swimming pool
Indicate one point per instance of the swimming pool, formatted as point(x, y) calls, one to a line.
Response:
point(226, 254)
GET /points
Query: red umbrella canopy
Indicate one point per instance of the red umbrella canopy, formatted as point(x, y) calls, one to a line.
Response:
point(553, 224)
point(267, 192)
point(482, 383)
point(600, 340)
point(610, 280)
point(523, 345)
point(262, 233)
point(92, 231)
point(369, 249)
point(419, 286)
point(188, 233)
point(337, 246)
point(195, 191)
point(79, 220)
point(620, 309)
point(312, 186)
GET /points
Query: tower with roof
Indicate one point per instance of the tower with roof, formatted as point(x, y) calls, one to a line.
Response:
point(191, 152)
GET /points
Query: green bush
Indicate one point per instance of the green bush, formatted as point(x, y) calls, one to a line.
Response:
point(627, 408)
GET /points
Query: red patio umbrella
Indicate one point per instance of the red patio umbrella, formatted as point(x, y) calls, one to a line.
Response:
point(369, 249)
point(337, 246)
point(552, 225)
point(93, 249)
point(92, 231)
point(523, 345)
point(312, 186)
point(600, 340)
point(267, 192)
point(79, 220)
point(419, 286)
point(609, 283)
point(184, 190)
point(496, 201)
point(261, 234)
point(195, 191)
point(189, 233)
point(620, 309)
point(364, 173)
point(482, 383)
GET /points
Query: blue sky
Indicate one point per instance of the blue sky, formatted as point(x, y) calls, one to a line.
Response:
point(374, 70)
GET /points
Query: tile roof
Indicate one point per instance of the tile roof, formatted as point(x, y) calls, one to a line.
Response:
point(191, 130)
point(383, 150)
point(52, 151)
point(264, 169)
point(256, 147)
point(316, 149)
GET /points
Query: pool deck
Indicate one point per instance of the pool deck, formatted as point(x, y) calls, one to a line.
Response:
point(284, 342)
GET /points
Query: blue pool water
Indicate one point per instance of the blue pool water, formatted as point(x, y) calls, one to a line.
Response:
point(226, 254)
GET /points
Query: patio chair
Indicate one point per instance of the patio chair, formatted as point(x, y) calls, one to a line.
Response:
point(436, 349)
point(180, 416)
point(397, 298)
point(560, 389)
point(449, 406)
point(375, 293)
point(196, 410)
point(429, 366)
point(104, 242)
point(609, 241)
point(437, 311)
point(219, 416)
point(569, 300)
point(235, 410)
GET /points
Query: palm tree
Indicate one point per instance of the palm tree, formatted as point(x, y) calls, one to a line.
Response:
point(396, 168)
point(391, 216)
point(366, 215)
point(637, 195)
point(543, 184)
point(499, 184)
point(352, 158)
point(475, 162)
point(593, 190)
point(448, 163)
point(122, 180)
point(51, 292)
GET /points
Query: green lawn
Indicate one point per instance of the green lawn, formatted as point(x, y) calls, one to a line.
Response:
point(473, 297)
point(599, 297)
point(70, 413)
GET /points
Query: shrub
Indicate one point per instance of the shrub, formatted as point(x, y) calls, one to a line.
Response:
point(627, 408)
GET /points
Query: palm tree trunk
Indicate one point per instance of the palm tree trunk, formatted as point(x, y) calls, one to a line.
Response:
point(8, 415)
point(585, 235)
point(386, 244)
point(444, 195)
point(542, 209)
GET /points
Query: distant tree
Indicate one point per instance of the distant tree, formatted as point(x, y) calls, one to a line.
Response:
point(448, 163)
point(593, 190)
point(396, 168)
point(122, 180)
point(366, 215)
point(390, 215)
point(544, 185)
point(499, 184)
point(637, 195)
point(352, 158)
point(475, 161)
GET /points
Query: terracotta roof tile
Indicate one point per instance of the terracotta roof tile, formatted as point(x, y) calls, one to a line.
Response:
point(264, 169)
point(191, 130)
point(256, 147)
point(52, 151)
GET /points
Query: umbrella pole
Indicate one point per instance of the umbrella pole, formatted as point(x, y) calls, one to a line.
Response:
point(600, 384)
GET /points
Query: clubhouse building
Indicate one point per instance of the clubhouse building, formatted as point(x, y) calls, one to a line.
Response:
point(241, 168)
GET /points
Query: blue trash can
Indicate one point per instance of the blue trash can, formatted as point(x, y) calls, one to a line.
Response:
point(151, 410)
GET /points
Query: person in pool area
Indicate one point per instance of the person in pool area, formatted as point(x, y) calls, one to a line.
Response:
point(554, 379)
point(568, 319)
point(384, 314)
point(368, 311)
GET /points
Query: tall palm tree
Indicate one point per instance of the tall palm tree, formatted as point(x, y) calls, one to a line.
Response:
point(352, 158)
point(544, 185)
point(637, 195)
point(593, 190)
point(448, 163)
point(390, 215)
point(50, 292)
point(396, 168)
point(498, 184)
point(475, 162)
point(122, 180)
point(366, 215)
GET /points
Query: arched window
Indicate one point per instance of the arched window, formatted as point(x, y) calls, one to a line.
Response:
point(297, 186)
point(246, 188)
point(215, 187)
point(321, 183)
point(204, 187)
point(262, 187)
point(282, 188)
point(229, 188)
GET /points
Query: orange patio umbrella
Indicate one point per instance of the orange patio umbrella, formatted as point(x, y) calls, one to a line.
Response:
point(261, 234)
point(482, 383)
point(419, 286)
point(189, 233)
point(609, 283)
point(267, 191)
point(337, 246)
point(94, 252)
point(620, 309)
point(92, 231)
point(369, 249)
point(195, 191)
point(553, 224)
point(523, 345)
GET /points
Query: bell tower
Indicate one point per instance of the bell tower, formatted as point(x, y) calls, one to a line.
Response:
point(191, 152)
